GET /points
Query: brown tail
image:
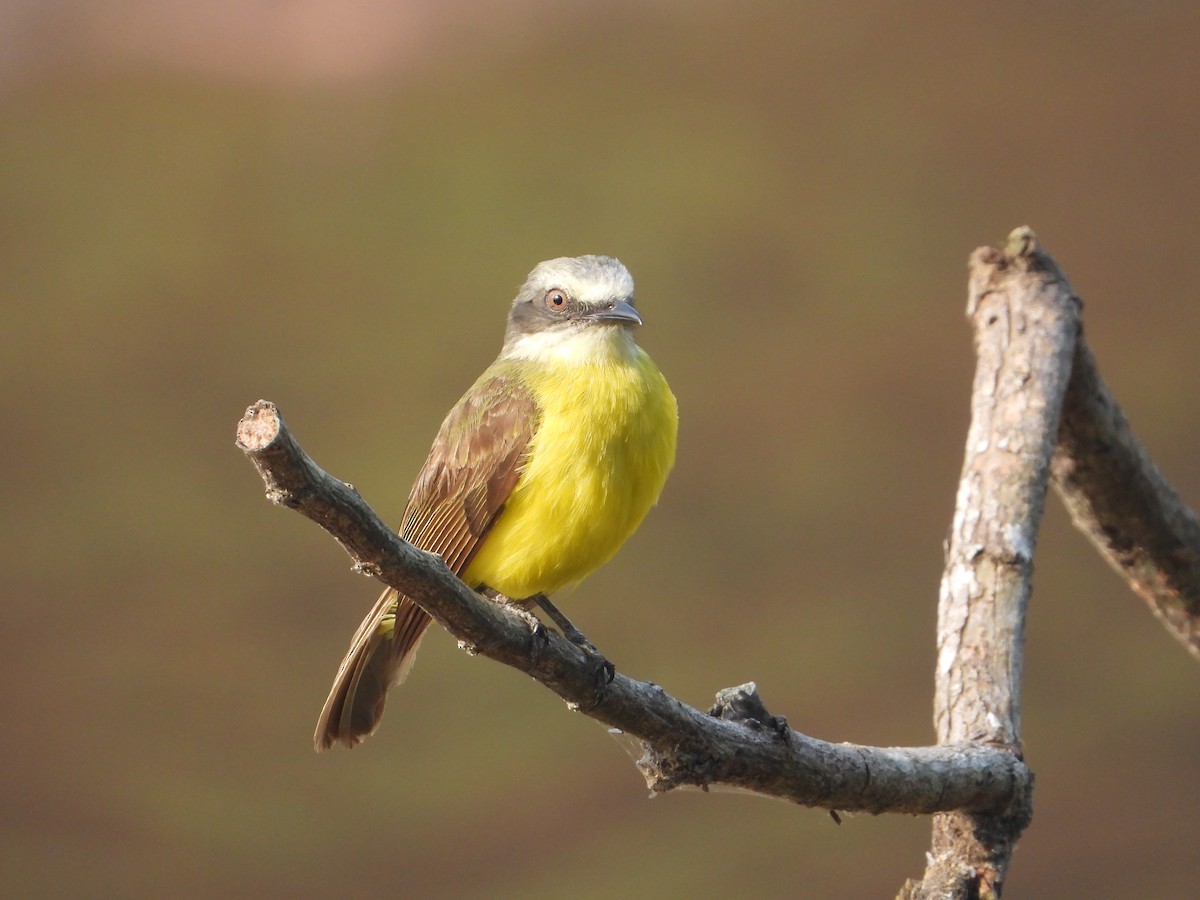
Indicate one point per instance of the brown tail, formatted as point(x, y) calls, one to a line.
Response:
point(381, 655)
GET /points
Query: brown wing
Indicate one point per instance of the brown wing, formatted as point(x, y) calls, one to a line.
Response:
point(471, 470)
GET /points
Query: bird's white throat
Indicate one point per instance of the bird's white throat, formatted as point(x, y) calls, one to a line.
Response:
point(590, 344)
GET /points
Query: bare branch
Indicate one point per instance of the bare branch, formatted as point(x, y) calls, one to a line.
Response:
point(1040, 412)
point(1118, 498)
point(1026, 321)
point(739, 744)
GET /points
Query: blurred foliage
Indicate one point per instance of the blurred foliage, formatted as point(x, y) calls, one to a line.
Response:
point(796, 190)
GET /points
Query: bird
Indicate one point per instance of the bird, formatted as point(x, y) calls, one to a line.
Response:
point(536, 477)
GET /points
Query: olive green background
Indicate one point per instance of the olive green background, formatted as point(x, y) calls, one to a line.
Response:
point(188, 224)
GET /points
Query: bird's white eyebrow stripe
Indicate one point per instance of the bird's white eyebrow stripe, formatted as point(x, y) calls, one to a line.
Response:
point(601, 279)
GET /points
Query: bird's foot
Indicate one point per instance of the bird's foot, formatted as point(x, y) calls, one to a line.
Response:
point(538, 638)
point(604, 671)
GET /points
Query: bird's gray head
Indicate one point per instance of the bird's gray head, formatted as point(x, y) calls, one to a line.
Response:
point(571, 294)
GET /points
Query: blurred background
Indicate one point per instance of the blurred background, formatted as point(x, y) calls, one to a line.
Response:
point(330, 205)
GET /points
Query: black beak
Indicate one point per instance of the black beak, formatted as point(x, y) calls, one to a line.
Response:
point(620, 313)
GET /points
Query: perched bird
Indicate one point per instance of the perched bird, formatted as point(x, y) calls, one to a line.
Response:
point(536, 477)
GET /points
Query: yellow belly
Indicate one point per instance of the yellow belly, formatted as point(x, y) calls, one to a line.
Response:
point(596, 465)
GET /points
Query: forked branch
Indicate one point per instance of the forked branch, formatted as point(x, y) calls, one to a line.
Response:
point(1039, 412)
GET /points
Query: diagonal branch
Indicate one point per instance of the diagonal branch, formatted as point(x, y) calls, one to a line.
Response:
point(1026, 321)
point(738, 744)
point(1118, 498)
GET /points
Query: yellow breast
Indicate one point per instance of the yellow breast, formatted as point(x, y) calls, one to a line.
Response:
point(600, 457)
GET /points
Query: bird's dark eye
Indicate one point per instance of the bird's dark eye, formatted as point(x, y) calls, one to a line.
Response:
point(555, 300)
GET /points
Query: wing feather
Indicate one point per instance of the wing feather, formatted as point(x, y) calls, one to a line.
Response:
point(470, 472)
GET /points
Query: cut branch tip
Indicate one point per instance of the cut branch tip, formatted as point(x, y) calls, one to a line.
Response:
point(259, 427)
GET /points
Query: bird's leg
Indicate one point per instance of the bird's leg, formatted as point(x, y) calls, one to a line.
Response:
point(607, 671)
point(569, 631)
point(537, 631)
